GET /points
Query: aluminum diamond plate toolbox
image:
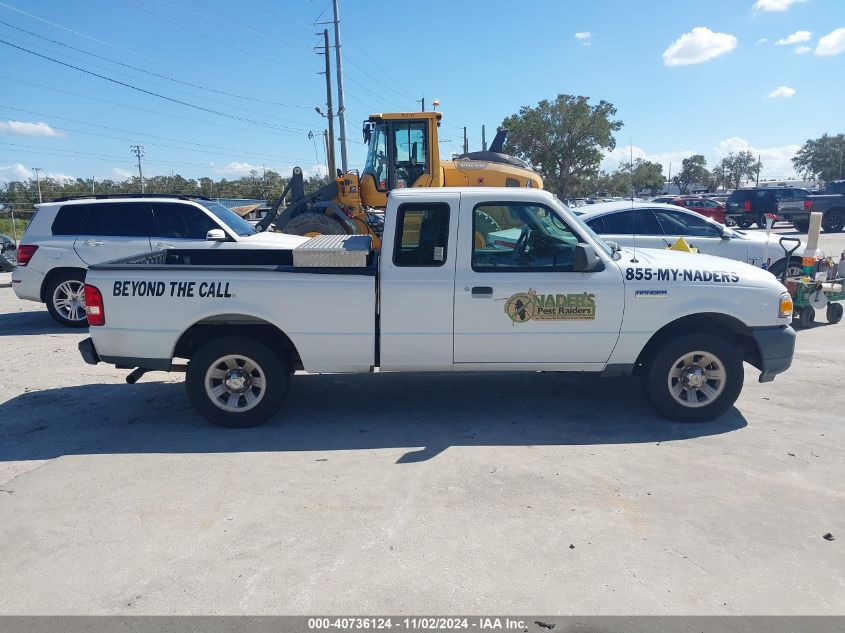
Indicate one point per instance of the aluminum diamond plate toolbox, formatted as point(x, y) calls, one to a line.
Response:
point(333, 251)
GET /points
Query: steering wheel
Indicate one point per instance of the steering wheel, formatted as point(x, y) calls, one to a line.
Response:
point(520, 250)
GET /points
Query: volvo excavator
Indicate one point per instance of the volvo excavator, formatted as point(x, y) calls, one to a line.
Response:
point(403, 151)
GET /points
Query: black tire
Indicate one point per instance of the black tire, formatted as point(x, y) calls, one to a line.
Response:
point(807, 316)
point(834, 313)
point(794, 270)
point(802, 226)
point(744, 224)
point(833, 221)
point(761, 221)
point(60, 304)
point(314, 224)
point(273, 371)
point(668, 359)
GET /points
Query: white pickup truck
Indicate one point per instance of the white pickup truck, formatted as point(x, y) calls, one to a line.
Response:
point(446, 293)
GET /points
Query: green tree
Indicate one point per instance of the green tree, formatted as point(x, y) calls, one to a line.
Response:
point(564, 139)
point(739, 166)
point(693, 170)
point(821, 158)
point(648, 175)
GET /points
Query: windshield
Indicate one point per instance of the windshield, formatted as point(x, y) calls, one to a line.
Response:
point(575, 219)
point(228, 217)
point(376, 163)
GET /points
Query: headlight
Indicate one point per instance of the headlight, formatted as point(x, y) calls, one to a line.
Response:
point(785, 308)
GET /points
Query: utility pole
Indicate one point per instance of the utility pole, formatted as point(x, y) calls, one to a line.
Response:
point(38, 181)
point(329, 115)
point(466, 145)
point(422, 104)
point(669, 181)
point(840, 161)
point(759, 166)
point(341, 105)
point(92, 184)
point(483, 138)
point(138, 150)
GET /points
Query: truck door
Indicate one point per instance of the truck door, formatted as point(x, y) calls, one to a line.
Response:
point(417, 286)
point(518, 301)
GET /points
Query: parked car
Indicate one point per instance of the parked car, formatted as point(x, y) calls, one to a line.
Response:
point(830, 204)
point(750, 206)
point(655, 225)
point(443, 296)
point(67, 235)
point(706, 207)
point(7, 253)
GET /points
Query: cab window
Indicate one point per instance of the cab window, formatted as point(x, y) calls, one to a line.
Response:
point(409, 145)
point(422, 235)
point(515, 236)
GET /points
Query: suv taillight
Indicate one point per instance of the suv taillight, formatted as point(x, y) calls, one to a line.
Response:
point(748, 205)
point(808, 204)
point(25, 253)
point(94, 306)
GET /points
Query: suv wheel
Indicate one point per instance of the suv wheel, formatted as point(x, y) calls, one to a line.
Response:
point(694, 378)
point(66, 298)
point(802, 226)
point(237, 382)
point(833, 221)
point(761, 221)
point(744, 224)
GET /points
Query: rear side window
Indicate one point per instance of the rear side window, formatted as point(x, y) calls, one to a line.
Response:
point(119, 219)
point(68, 219)
point(641, 222)
point(422, 235)
point(181, 221)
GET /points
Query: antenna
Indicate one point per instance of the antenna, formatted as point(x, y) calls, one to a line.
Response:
point(634, 260)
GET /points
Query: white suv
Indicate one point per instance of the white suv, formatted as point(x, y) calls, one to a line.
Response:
point(67, 235)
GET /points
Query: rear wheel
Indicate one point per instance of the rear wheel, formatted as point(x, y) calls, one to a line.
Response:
point(237, 382)
point(761, 221)
point(833, 221)
point(743, 223)
point(311, 224)
point(793, 268)
point(834, 313)
point(807, 316)
point(802, 226)
point(694, 378)
point(66, 299)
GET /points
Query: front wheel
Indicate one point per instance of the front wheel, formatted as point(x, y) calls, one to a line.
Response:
point(694, 378)
point(237, 382)
point(802, 226)
point(834, 313)
point(66, 298)
point(761, 221)
point(312, 224)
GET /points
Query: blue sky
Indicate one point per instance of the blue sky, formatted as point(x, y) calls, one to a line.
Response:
point(704, 92)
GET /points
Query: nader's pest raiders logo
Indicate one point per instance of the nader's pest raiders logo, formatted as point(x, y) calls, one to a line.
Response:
point(534, 306)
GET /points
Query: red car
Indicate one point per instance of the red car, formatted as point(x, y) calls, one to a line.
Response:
point(704, 206)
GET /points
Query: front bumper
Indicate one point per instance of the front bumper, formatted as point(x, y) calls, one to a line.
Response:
point(776, 346)
point(88, 351)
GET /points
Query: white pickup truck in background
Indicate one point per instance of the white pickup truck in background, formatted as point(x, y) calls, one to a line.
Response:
point(446, 293)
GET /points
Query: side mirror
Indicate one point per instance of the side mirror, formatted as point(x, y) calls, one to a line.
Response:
point(586, 259)
point(216, 235)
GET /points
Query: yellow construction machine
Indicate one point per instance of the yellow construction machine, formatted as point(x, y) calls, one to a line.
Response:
point(403, 152)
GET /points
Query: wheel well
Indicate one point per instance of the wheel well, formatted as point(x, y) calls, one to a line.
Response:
point(48, 278)
point(732, 330)
point(839, 209)
point(236, 325)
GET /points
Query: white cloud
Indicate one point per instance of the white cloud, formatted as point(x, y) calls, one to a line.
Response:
point(781, 92)
point(803, 50)
point(235, 167)
point(15, 171)
point(775, 5)
point(777, 161)
point(622, 156)
point(762, 40)
point(795, 38)
point(120, 174)
point(699, 45)
point(583, 35)
point(24, 128)
point(55, 175)
point(831, 44)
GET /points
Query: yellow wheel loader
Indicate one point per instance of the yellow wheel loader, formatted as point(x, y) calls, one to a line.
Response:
point(403, 151)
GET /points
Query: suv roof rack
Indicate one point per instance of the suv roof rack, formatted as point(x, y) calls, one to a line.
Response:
point(107, 196)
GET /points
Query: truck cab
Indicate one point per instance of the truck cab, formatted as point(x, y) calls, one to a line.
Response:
point(468, 279)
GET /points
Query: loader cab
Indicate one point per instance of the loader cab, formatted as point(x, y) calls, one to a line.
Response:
point(402, 152)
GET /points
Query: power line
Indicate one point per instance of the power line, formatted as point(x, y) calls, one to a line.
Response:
point(154, 74)
point(378, 81)
point(249, 27)
point(219, 41)
point(280, 16)
point(149, 92)
point(138, 108)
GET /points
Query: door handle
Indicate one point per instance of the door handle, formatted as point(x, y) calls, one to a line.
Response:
point(482, 291)
point(93, 243)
